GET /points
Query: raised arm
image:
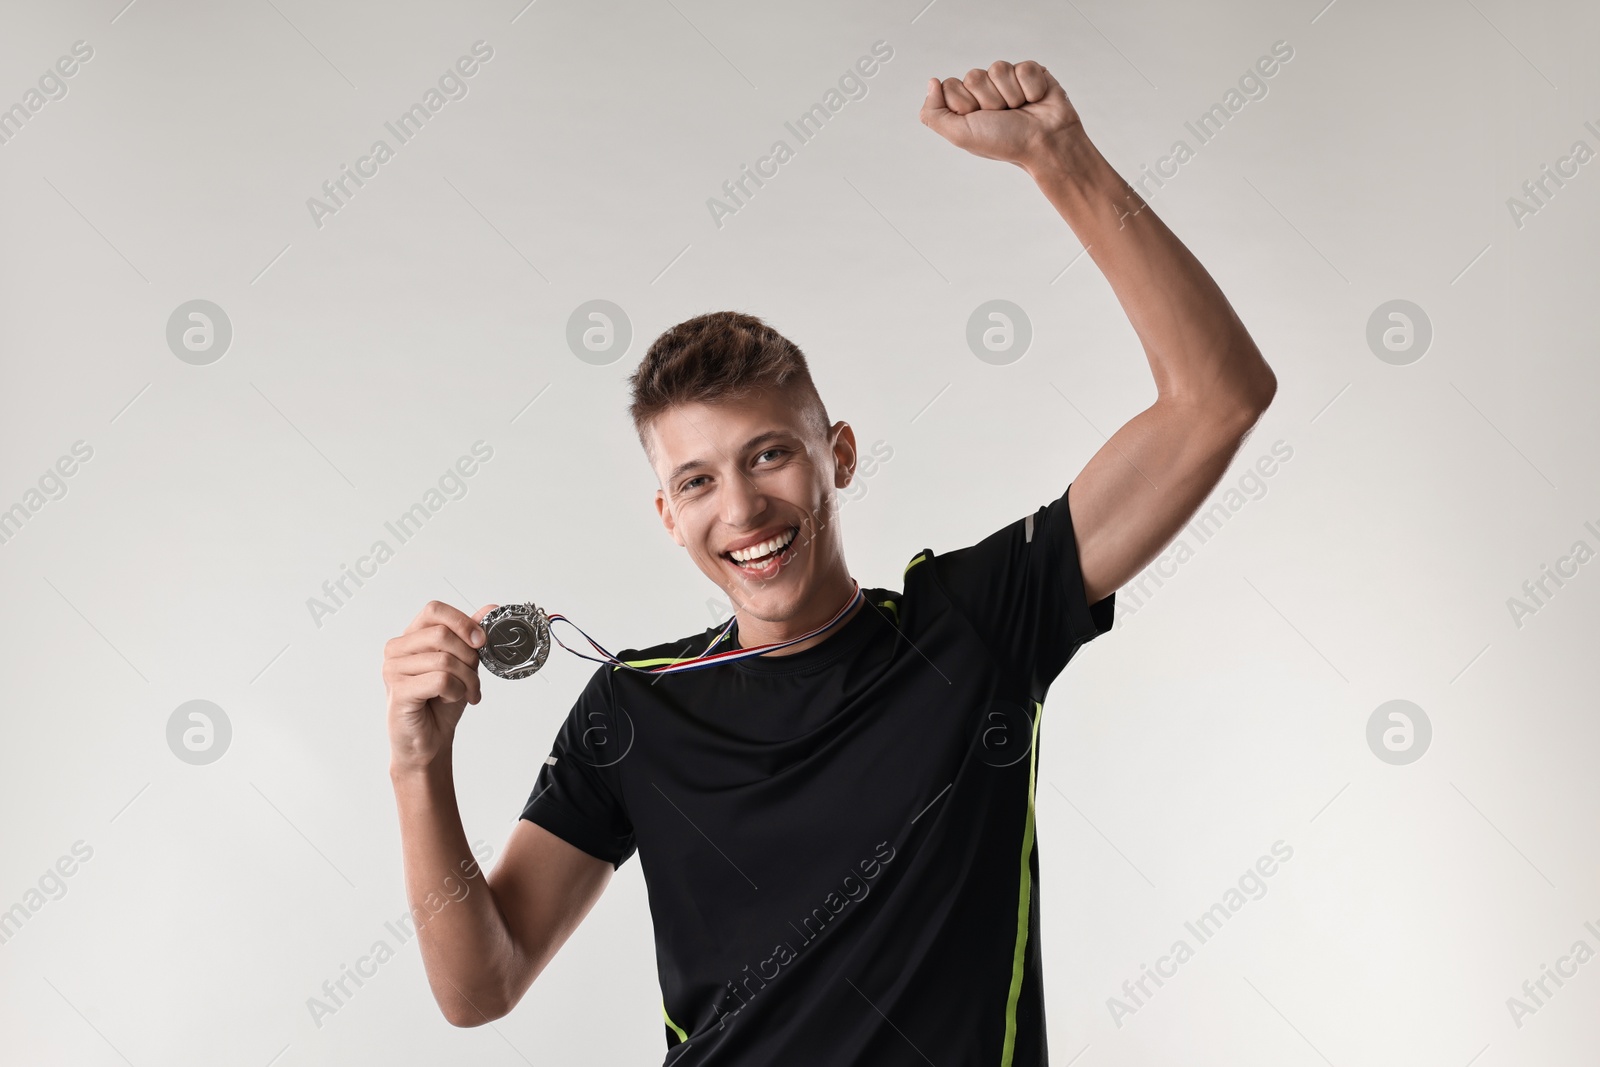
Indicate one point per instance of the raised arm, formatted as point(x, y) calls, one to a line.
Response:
point(1135, 493)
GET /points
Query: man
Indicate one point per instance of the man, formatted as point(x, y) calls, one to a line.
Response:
point(837, 834)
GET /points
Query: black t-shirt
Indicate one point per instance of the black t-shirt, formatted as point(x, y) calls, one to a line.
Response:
point(838, 844)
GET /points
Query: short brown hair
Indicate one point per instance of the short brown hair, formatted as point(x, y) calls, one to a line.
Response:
point(720, 356)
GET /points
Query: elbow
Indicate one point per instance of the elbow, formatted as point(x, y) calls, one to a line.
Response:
point(464, 1014)
point(473, 1008)
point(1232, 402)
point(1266, 388)
point(1253, 397)
point(484, 993)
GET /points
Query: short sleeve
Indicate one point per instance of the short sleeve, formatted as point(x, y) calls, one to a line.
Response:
point(576, 795)
point(1022, 589)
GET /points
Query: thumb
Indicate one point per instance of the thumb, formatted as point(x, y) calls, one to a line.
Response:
point(934, 107)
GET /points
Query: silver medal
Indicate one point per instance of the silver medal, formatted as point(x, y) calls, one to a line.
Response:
point(518, 640)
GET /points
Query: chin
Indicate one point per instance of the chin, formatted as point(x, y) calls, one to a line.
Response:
point(770, 600)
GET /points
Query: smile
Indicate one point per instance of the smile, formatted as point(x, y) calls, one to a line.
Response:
point(761, 558)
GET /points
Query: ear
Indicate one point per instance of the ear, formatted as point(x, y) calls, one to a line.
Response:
point(667, 518)
point(844, 454)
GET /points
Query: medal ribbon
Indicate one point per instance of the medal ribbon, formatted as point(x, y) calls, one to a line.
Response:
point(706, 658)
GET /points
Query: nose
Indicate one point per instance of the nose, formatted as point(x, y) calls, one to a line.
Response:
point(742, 501)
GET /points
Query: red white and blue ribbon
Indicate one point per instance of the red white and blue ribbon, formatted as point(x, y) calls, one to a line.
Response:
point(706, 658)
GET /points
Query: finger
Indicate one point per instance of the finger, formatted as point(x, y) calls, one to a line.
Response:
point(423, 689)
point(438, 666)
point(438, 612)
point(1035, 80)
point(937, 114)
point(430, 685)
point(438, 685)
point(478, 637)
point(1004, 77)
point(435, 638)
point(983, 90)
point(957, 98)
point(933, 104)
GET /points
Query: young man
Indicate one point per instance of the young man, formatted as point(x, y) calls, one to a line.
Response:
point(837, 835)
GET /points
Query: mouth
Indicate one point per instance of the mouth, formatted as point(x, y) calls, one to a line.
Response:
point(764, 560)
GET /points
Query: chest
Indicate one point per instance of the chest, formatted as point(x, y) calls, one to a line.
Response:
point(755, 780)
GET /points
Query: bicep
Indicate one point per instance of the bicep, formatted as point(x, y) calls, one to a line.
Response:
point(1148, 479)
point(544, 887)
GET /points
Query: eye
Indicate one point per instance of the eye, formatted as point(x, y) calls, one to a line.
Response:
point(688, 485)
point(769, 451)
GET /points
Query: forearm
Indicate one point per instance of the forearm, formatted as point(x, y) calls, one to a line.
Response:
point(1198, 349)
point(466, 945)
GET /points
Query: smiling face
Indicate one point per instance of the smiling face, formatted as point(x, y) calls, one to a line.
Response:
point(752, 478)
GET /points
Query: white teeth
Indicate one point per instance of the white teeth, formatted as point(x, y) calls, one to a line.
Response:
point(765, 548)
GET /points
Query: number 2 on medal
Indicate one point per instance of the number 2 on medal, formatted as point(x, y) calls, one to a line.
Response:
point(510, 650)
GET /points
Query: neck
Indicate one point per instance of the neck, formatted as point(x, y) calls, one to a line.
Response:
point(821, 608)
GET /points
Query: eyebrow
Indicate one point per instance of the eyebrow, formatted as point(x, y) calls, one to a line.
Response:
point(689, 465)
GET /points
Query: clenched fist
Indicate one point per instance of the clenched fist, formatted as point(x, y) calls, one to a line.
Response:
point(431, 674)
point(1013, 113)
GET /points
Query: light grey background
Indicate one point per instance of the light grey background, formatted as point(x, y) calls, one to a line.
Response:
point(1227, 711)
